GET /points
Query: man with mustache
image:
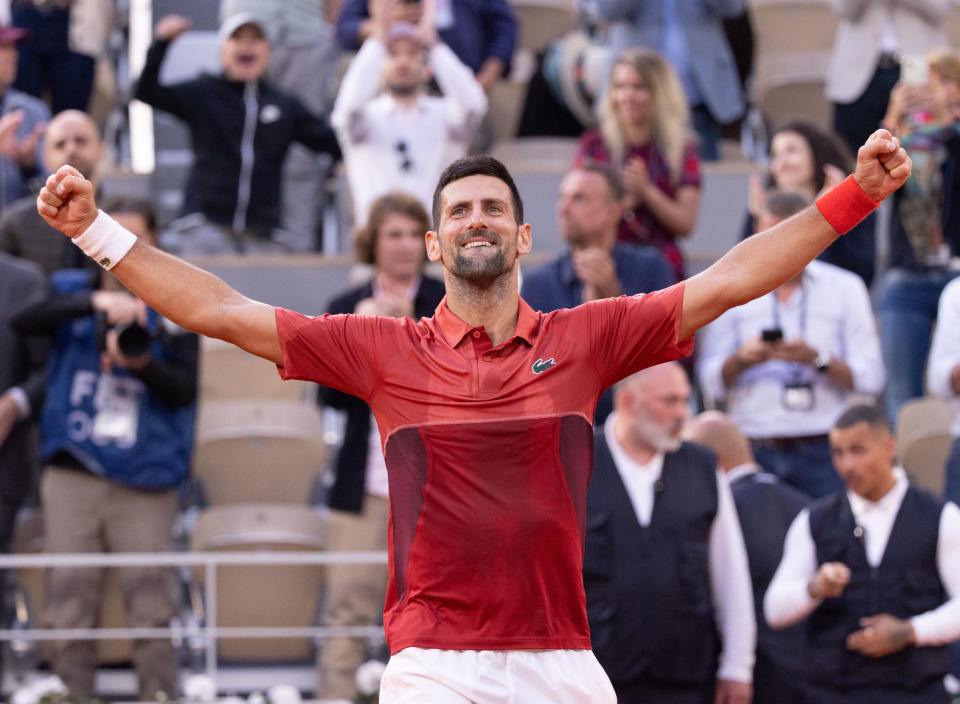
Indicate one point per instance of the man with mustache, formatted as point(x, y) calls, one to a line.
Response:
point(664, 555)
point(484, 414)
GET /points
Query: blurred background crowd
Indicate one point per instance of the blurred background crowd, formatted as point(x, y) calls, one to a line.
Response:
point(292, 146)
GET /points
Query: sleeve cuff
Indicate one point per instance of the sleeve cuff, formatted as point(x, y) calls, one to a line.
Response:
point(19, 397)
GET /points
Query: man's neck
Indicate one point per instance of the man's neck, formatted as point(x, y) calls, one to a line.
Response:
point(638, 451)
point(785, 290)
point(495, 307)
point(406, 100)
point(397, 285)
point(603, 240)
point(882, 491)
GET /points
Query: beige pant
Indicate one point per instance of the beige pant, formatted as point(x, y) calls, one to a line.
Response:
point(355, 595)
point(84, 513)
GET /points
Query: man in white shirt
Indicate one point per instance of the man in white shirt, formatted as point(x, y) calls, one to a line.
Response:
point(943, 374)
point(402, 138)
point(786, 363)
point(877, 571)
point(665, 568)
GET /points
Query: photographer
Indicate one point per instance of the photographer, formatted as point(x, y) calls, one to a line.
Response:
point(117, 436)
point(786, 363)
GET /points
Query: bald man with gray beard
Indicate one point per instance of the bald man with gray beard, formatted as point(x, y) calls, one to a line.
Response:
point(72, 137)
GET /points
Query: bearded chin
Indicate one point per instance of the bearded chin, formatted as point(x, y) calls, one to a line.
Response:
point(480, 269)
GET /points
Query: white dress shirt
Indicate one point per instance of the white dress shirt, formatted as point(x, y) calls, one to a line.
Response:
point(730, 585)
point(388, 146)
point(945, 348)
point(787, 600)
point(831, 312)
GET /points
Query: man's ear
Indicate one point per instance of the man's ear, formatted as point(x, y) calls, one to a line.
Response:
point(433, 245)
point(524, 239)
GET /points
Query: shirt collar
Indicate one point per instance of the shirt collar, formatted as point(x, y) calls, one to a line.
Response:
point(454, 329)
point(740, 471)
point(890, 501)
point(393, 105)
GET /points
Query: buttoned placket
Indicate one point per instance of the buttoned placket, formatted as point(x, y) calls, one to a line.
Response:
point(486, 371)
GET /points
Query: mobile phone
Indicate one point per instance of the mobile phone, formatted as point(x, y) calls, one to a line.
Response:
point(913, 70)
point(771, 335)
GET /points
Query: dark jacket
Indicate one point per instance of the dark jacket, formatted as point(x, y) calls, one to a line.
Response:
point(351, 466)
point(904, 584)
point(766, 507)
point(648, 588)
point(221, 185)
point(22, 364)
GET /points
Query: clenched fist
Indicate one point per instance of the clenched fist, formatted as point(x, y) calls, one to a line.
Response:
point(66, 202)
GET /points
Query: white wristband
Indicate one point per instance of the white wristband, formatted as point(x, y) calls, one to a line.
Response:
point(106, 241)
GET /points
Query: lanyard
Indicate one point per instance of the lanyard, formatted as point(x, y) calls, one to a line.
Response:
point(803, 312)
point(798, 368)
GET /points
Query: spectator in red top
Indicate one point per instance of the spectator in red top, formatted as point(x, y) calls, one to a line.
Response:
point(645, 134)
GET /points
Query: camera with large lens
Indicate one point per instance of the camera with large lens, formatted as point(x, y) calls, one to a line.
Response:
point(133, 339)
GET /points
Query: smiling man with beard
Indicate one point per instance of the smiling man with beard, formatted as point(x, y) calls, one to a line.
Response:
point(664, 555)
point(484, 414)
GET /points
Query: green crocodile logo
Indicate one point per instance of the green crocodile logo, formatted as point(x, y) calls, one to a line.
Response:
point(540, 366)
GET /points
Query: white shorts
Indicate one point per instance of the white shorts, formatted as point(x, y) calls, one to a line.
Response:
point(421, 675)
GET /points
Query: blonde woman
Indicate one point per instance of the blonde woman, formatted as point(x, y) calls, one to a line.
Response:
point(645, 134)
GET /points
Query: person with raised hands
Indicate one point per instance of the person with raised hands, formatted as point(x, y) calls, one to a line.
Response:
point(487, 546)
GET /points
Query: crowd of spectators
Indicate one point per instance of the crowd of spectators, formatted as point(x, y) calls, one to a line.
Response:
point(697, 532)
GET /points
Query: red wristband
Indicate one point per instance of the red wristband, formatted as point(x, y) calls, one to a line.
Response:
point(845, 205)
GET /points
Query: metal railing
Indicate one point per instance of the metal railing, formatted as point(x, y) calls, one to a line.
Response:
point(210, 561)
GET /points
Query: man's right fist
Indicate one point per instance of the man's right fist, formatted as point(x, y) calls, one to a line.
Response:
point(169, 27)
point(829, 581)
point(66, 202)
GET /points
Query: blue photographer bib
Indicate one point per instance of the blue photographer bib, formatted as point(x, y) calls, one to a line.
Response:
point(108, 420)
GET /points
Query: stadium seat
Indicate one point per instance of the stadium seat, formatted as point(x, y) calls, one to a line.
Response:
point(794, 40)
point(264, 450)
point(228, 373)
point(536, 155)
point(252, 595)
point(924, 457)
point(924, 440)
point(542, 21)
point(920, 417)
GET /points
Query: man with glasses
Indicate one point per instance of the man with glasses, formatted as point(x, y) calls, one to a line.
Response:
point(402, 138)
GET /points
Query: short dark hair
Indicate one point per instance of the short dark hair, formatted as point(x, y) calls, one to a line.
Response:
point(869, 413)
point(122, 203)
point(397, 202)
point(783, 204)
point(612, 179)
point(477, 165)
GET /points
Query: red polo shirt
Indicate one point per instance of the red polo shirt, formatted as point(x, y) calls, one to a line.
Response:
point(489, 452)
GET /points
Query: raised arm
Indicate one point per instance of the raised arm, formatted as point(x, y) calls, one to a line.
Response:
point(761, 263)
point(194, 299)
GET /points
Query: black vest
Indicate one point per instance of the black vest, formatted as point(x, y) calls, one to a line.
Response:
point(904, 584)
point(766, 507)
point(648, 588)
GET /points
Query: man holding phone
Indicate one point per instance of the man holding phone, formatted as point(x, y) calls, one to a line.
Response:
point(786, 363)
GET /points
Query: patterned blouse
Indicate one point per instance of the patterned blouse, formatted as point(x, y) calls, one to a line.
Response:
point(639, 226)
